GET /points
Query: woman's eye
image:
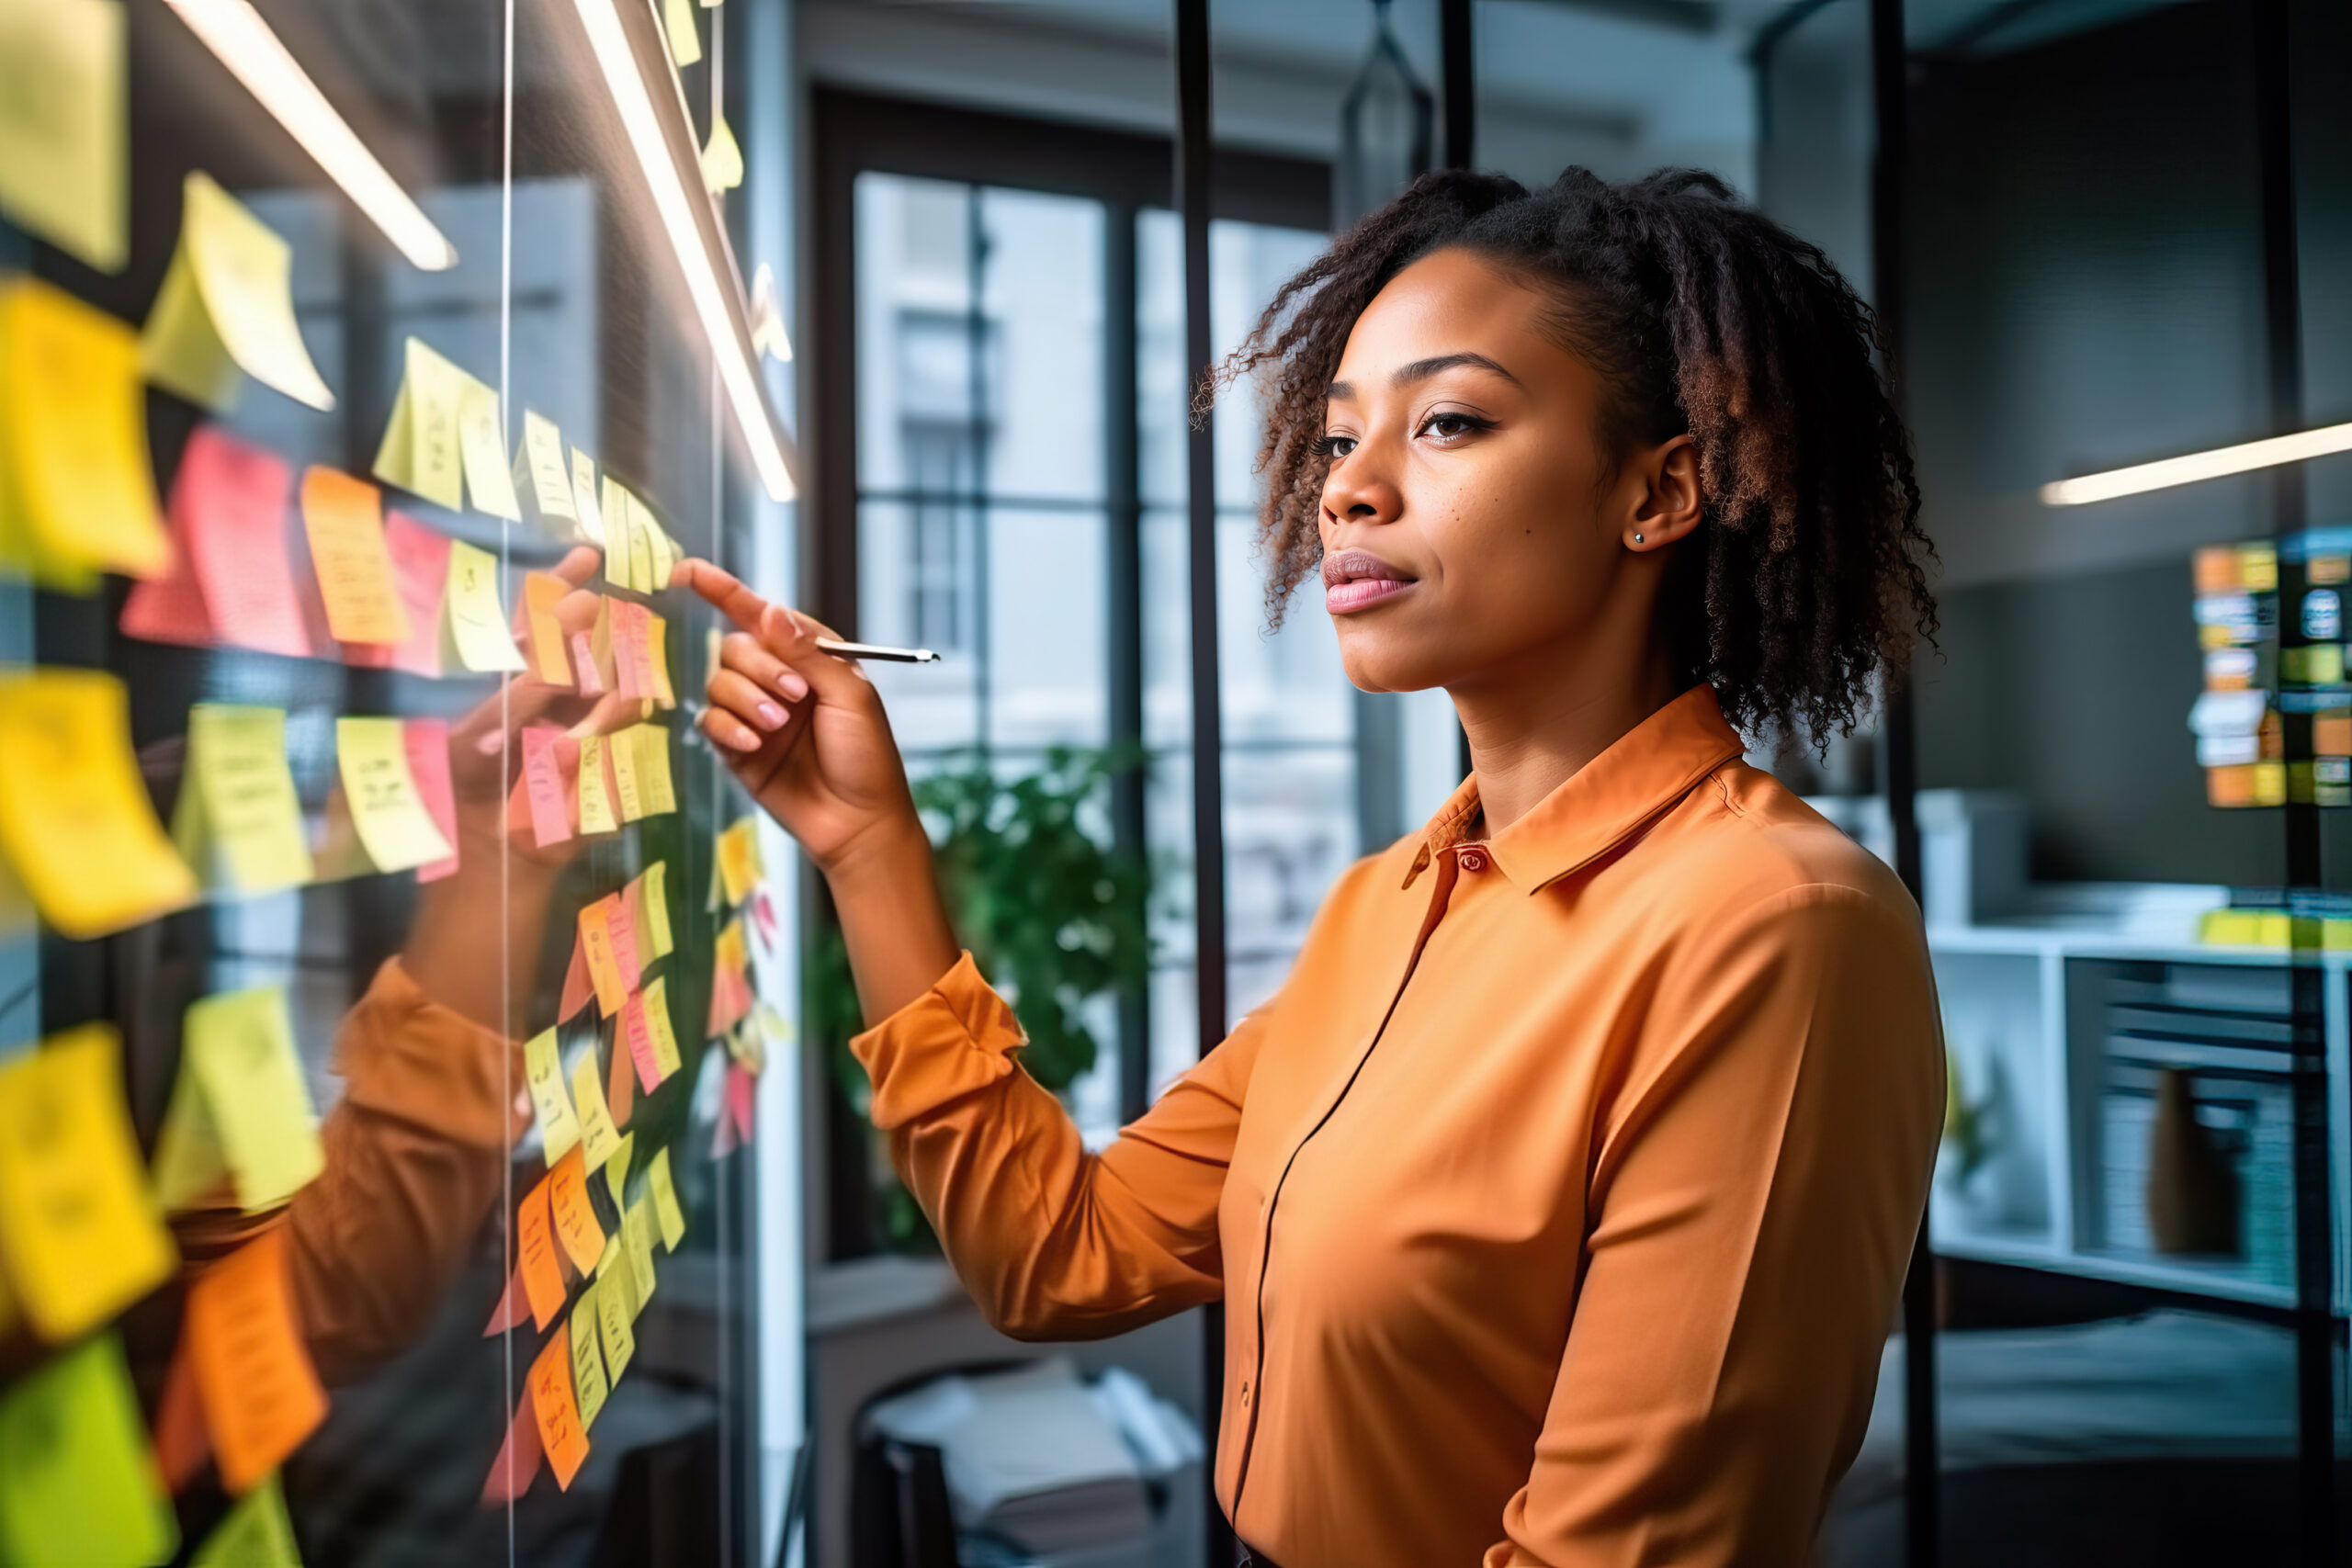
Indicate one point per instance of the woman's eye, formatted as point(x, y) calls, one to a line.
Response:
point(1452, 426)
point(1337, 446)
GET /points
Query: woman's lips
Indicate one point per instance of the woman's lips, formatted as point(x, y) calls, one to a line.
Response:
point(1362, 593)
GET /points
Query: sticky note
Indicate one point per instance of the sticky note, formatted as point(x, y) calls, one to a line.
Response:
point(344, 519)
point(621, 622)
point(730, 991)
point(595, 791)
point(256, 1533)
point(598, 1137)
point(239, 1055)
point(621, 1087)
point(232, 576)
point(617, 1173)
point(66, 126)
point(588, 1383)
point(596, 943)
point(590, 678)
point(262, 1396)
point(227, 304)
point(647, 898)
point(75, 820)
point(583, 498)
point(653, 769)
point(619, 1278)
point(537, 1255)
point(637, 1032)
point(620, 924)
point(657, 659)
point(576, 1217)
point(237, 821)
point(420, 451)
point(80, 1488)
point(621, 525)
point(541, 476)
point(76, 494)
point(665, 1033)
point(550, 660)
point(482, 449)
point(665, 1200)
point(621, 751)
point(426, 743)
point(576, 989)
point(614, 1316)
point(519, 1458)
point(553, 1405)
point(421, 577)
point(397, 830)
point(722, 159)
point(738, 858)
point(543, 1067)
point(641, 530)
point(637, 1231)
point(685, 43)
point(477, 620)
point(742, 1103)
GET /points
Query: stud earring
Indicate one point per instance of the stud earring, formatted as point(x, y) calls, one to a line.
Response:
point(1637, 538)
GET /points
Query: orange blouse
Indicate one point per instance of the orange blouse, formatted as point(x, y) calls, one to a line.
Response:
point(1559, 1202)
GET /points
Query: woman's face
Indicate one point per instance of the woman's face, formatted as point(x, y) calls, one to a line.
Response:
point(1473, 526)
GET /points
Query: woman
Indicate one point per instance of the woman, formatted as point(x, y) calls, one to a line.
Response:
point(1560, 1200)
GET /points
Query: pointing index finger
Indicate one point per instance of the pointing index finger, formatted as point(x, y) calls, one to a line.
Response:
point(725, 594)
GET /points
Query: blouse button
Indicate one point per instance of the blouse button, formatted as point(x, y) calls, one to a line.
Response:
point(1474, 859)
point(1245, 1394)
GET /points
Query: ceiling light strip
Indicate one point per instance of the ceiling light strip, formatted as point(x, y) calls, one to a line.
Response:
point(2199, 465)
point(235, 32)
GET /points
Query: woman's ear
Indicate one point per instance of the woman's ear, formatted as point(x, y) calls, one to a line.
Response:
point(1670, 503)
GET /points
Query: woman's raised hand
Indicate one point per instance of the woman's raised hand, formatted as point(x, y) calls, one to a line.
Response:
point(804, 731)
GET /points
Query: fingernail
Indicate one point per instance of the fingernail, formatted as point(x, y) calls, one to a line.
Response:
point(742, 740)
point(791, 684)
point(800, 626)
point(770, 717)
point(491, 742)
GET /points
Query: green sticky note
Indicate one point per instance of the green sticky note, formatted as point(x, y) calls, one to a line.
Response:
point(78, 1487)
point(256, 1534)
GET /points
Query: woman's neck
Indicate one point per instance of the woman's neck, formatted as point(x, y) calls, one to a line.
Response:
point(1531, 728)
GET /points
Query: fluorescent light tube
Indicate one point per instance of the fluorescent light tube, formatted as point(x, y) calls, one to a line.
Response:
point(672, 204)
point(234, 30)
point(2199, 465)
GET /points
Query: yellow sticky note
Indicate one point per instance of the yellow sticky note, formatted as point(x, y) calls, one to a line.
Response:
point(583, 498)
point(542, 476)
point(657, 654)
point(394, 824)
point(620, 532)
point(228, 304)
point(722, 159)
point(637, 1231)
point(482, 446)
point(588, 1383)
point(657, 1017)
point(653, 745)
point(738, 858)
point(80, 1488)
point(475, 618)
point(238, 820)
point(64, 127)
point(598, 1136)
point(238, 1051)
point(421, 450)
point(653, 910)
point(79, 1231)
point(77, 495)
point(257, 1533)
point(342, 518)
point(614, 1294)
point(543, 1066)
point(665, 1200)
point(623, 749)
point(617, 1170)
point(75, 818)
point(686, 42)
point(642, 529)
point(595, 804)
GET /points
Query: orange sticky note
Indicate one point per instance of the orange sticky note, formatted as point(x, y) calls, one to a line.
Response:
point(232, 578)
point(542, 591)
point(421, 572)
point(345, 520)
point(261, 1394)
point(620, 919)
point(596, 943)
point(534, 1244)
point(575, 1216)
point(560, 1433)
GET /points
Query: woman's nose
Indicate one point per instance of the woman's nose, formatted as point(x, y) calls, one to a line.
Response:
point(1357, 491)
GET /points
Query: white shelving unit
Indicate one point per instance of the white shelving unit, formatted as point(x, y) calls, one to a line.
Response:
point(2024, 1003)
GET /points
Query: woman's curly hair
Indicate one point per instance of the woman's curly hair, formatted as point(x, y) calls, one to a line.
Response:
point(1805, 580)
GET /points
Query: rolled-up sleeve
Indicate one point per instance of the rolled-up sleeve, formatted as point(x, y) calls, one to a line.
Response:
point(1753, 1201)
point(1052, 1241)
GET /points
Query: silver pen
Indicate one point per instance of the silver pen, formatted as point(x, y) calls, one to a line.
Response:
point(873, 652)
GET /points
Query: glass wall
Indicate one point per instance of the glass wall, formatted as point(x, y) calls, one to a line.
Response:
point(381, 987)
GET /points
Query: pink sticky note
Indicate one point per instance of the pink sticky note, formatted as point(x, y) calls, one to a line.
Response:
point(543, 782)
point(628, 640)
point(741, 1087)
point(421, 571)
point(622, 922)
point(517, 1464)
point(583, 666)
point(731, 1000)
point(513, 1308)
point(428, 743)
point(234, 579)
point(638, 1030)
point(763, 915)
point(170, 608)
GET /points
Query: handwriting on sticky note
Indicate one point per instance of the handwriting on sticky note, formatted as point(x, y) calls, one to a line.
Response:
point(543, 784)
point(228, 304)
point(550, 661)
point(262, 1396)
point(539, 1255)
point(395, 827)
point(482, 446)
point(477, 620)
point(583, 498)
point(546, 481)
point(237, 813)
point(79, 1489)
point(78, 485)
point(637, 1230)
point(665, 1200)
point(637, 1033)
point(596, 943)
point(79, 1232)
point(239, 1047)
point(543, 1068)
point(344, 519)
point(653, 769)
point(75, 820)
point(588, 1384)
point(653, 909)
point(596, 787)
point(420, 576)
point(664, 1033)
point(615, 1314)
point(426, 743)
point(420, 452)
point(64, 127)
point(628, 789)
point(620, 921)
point(561, 1436)
point(575, 1216)
point(598, 1137)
